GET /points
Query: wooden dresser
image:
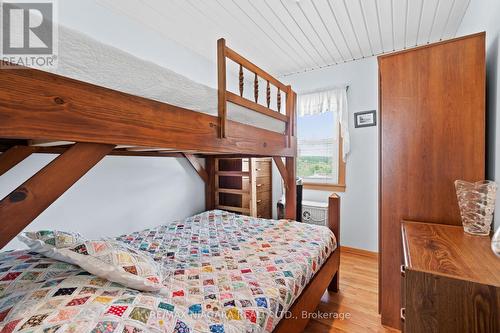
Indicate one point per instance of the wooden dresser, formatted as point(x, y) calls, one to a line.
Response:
point(244, 185)
point(451, 280)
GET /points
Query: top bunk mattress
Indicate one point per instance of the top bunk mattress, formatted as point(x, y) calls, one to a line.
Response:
point(85, 59)
point(225, 273)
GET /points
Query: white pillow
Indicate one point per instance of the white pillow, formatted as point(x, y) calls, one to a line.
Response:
point(108, 259)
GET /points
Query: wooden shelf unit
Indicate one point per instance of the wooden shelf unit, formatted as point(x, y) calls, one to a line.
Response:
point(244, 185)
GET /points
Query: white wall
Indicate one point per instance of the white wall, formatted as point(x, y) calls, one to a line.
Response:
point(483, 15)
point(359, 210)
point(119, 195)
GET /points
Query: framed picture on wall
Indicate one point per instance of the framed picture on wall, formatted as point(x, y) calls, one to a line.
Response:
point(365, 119)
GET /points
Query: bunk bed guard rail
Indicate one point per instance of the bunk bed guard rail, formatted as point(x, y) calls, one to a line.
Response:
point(225, 96)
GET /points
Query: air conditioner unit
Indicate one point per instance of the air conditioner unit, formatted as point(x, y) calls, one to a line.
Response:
point(315, 212)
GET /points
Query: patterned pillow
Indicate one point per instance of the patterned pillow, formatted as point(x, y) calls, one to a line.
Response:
point(108, 259)
point(48, 242)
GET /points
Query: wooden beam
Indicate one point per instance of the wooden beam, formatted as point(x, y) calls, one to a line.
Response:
point(40, 105)
point(210, 184)
point(13, 156)
point(233, 98)
point(115, 152)
point(222, 86)
point(234, 209)
point(147, 149)
point(49, 143)
point(282, 169)
point(24, 204)
point(291, 189)
point(253, 185)
point(291, 100)
point(334, 225)
point(231, 191)
point(197, 166)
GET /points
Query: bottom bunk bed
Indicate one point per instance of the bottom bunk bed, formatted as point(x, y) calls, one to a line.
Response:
point(225, 273)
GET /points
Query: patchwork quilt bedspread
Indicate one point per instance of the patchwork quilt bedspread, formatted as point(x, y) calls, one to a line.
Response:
point(223, 273)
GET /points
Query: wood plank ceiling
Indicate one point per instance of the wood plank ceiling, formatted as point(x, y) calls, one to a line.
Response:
point(290, 36)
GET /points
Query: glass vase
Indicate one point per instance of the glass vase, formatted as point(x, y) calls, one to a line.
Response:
point(477, 203)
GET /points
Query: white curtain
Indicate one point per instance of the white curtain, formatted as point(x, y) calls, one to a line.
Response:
point(334, 100)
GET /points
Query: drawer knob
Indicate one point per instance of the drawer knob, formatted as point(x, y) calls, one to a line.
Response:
point(259, 201)
point(259, 185)
point(402, 270)
point(402, 314)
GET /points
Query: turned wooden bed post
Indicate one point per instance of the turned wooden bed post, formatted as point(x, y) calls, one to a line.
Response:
point(221, 85)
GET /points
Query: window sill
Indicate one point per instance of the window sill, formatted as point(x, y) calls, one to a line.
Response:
point(325, 187)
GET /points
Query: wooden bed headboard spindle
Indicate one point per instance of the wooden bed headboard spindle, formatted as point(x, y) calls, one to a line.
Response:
point(223, 53)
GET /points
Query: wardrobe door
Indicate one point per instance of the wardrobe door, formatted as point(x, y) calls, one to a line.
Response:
point(432, 132)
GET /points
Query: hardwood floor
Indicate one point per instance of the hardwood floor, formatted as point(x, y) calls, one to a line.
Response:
point(357, 300)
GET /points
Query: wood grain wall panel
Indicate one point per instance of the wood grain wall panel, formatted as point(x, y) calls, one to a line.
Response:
point(432, 132)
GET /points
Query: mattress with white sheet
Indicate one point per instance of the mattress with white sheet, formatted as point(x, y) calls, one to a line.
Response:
point(85, 59)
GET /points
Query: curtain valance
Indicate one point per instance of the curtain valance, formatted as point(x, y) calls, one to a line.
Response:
point(334, 100)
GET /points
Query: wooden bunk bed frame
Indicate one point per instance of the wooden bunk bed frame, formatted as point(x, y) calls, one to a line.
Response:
point(42, 112)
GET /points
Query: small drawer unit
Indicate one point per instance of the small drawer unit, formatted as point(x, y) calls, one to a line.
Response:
point(315, 212)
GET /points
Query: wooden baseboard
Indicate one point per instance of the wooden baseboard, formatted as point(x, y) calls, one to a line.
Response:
point(359, 252)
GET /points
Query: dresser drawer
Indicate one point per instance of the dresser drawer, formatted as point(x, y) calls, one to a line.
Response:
point(264, 211)
point(263, 198)
point(262, 169)
point(263, 184)
point(264, 203)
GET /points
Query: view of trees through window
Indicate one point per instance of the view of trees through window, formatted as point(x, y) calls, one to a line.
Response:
point(318, 148)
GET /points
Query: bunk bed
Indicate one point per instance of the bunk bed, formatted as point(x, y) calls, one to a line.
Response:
point(42, 112)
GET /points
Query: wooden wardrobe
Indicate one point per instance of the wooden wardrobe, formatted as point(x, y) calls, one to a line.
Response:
point(432, 132)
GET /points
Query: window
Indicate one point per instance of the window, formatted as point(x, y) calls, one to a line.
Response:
point(319, 161)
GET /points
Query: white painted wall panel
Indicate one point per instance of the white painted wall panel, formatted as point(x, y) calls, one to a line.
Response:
point(483, 15)
point(119, 195)
point(359, 212)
